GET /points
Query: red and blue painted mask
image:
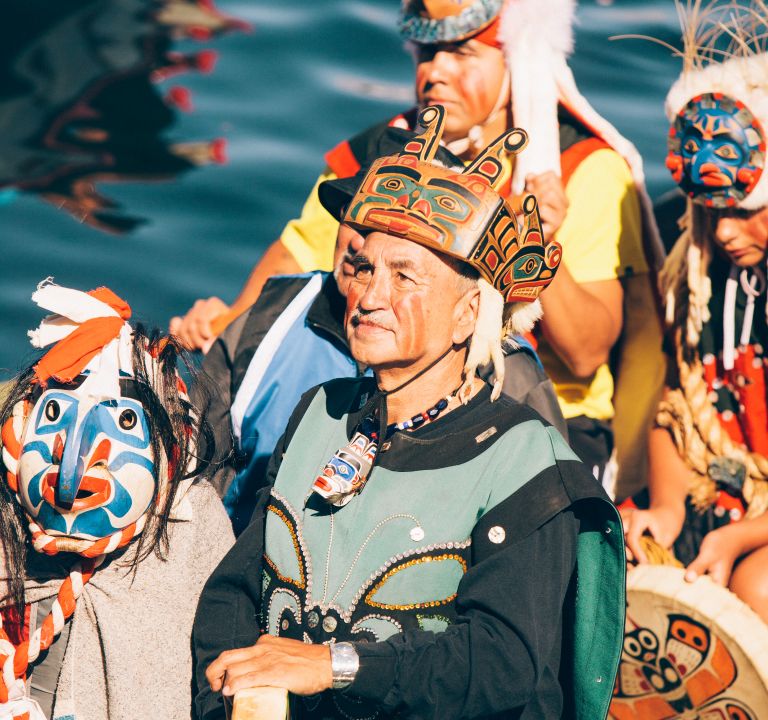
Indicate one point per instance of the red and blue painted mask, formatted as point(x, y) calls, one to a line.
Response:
point(716, 150)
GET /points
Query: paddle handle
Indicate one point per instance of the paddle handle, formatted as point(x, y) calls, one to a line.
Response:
point(220, 323)
point(263, 703)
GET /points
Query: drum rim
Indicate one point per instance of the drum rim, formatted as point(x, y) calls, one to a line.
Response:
point(736, 620)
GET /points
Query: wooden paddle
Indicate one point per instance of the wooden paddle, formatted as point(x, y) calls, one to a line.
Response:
point(220, 323)
point(262, 703)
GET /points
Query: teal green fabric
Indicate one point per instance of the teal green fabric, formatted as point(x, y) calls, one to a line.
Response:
point(343, 547)
point(598, 614)
point(342, 558)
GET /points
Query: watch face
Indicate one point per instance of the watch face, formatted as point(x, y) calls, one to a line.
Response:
point(716, 150)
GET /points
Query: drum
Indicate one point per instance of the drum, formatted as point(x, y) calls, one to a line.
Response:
point(691, 650)
point(264, 703)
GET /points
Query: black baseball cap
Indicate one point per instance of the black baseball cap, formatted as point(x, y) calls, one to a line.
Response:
point(336, 194)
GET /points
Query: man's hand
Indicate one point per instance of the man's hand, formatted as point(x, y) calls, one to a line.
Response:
point(662, 523)
point(194, 329)
point(719, 552)
point(300, 668)
point(553, 204)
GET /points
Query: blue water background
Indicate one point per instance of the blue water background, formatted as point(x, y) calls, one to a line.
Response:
point(310, 74)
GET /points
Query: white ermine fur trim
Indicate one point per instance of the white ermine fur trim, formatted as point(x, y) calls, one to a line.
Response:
point(742, 78)
point(521, 317)
point(485, 344)
point(551, 21)
point(536, 36)
point(699, 292)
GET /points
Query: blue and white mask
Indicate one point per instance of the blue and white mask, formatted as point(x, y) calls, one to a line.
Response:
point(86, 468)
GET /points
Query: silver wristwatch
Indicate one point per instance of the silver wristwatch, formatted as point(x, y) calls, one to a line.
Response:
point(344, 664)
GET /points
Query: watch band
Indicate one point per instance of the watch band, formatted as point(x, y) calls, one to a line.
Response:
point(344, 664)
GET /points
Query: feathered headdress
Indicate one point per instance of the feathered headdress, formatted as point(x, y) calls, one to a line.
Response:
point(536, 37)
point(718, 108)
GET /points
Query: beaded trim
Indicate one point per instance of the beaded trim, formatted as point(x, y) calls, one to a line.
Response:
point(378, 578)
point(290, 517)
point(354, 701)
point(282, 591)
point(442, 618)
point(456, 27)
point(301, 584)
point(393, 561)
point(374, 616)
point(416, 561)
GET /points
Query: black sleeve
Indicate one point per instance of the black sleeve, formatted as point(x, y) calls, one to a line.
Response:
point(228, 611)
point(213, 393)
point(526, 382)
point(509, 628)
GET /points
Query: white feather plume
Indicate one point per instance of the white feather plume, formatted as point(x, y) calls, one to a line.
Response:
point(485, 345)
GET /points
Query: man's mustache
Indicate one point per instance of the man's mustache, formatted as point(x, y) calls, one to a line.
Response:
point(372, 317)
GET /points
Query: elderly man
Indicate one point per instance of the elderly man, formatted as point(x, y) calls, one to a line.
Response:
point(494, 64)
point(420, 538)
point(293, 338)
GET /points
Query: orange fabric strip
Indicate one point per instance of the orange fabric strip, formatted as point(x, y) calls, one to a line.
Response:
point(489, 35)
point(122, 308)
point(574, 155)
point(342, 160)
point(68, 357)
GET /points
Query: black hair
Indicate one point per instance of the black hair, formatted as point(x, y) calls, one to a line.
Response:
point(175, 428)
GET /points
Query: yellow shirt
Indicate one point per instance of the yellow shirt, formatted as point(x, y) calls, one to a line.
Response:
point(311, 238)
point(601, 239)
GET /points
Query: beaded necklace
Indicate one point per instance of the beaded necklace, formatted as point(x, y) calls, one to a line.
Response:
point(369, 425)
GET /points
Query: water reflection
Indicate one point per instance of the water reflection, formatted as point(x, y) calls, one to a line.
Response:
point(80, 102)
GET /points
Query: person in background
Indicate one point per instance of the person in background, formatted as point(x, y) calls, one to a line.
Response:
point(708, 482)
point(293, 338)
point(589, 182)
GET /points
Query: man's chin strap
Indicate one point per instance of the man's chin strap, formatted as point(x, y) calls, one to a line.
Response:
point(474, 140)
point(378, 402)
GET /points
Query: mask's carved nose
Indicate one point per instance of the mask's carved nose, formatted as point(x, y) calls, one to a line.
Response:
point(422, 206)
point(58, 450)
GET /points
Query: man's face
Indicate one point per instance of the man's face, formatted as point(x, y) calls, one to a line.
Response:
point(348, 243)
point(743, 235)
point(405, 305)
point(465, 77)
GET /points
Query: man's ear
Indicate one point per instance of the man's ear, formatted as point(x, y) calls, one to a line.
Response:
point(465, 316)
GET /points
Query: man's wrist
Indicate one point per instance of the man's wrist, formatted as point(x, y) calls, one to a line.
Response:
point(345, 663)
